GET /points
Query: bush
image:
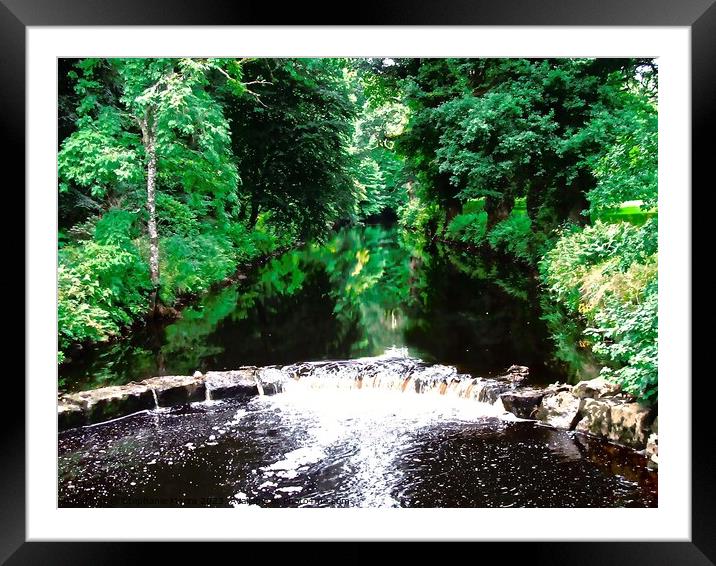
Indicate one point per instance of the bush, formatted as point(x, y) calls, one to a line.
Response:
point(468, 228)
point(513, 236)
point(269, 235)
point(421, 216)
point(606, 276)
point(104, 284)
point(473, 205)
point(192, 265)
point(101, 288)
point(175, 217)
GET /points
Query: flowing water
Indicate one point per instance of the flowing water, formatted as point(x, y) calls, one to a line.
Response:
point(412, 427)
point(382, 432)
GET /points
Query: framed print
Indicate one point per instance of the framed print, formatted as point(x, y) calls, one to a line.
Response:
point(414, 277)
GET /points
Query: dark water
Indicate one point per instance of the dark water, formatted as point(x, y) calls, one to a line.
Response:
point(365, 290)
point(327, 448)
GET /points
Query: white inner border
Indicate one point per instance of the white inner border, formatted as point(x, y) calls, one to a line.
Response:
point(671, 521)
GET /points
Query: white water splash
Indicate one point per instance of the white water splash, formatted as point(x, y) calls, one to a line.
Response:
point(372, 424)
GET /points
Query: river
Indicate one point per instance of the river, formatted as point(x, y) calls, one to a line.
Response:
point(362, 293)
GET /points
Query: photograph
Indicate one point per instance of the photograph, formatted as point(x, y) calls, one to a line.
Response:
point(357, 282)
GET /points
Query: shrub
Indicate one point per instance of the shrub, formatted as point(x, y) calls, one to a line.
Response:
point(513, 235)
point(606, 275)
point(192, 265)
point(473, 205)
point(101, 288)
point(175, 217)
point(469, 228)
point(421, 216)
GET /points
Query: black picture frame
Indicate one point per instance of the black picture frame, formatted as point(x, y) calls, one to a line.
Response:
point(699, 15)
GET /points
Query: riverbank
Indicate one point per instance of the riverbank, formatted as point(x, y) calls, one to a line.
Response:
point(166, 313)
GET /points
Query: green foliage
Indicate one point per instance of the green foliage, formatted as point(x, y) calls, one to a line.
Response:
point(101, 157)
point(101, 286)
point(378, 171)
point(291, 141)
point(514, 236)
point(421, 217)
point(103, 283)
point(625, 166)
point(504, 128)
point(606, 276)
point(468, 228)
point(257, 155)
point(177, 217)
point(191, 265)
point(473, 206)
point(117, 227)
point(105, 155)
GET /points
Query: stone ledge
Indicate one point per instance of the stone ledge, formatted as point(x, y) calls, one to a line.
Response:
point(232, 383)
point(596, 407)
point(177, 389)
point(107, 403)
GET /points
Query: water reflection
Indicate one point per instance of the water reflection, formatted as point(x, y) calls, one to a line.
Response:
point(363, 291)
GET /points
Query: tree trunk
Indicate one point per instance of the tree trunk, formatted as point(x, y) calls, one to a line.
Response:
point(254, 210)
point(152, 224)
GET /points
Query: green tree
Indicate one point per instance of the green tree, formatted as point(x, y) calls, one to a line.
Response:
point(291, 142)
point(150, 121)
point(507, 128)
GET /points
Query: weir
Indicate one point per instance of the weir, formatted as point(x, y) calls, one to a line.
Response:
point(592, 407)
point(394, 371)
point(384, 431)
point(388, 431)
point(404, 375)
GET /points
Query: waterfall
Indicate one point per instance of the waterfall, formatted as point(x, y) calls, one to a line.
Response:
point(156, 399)
point(389, 372)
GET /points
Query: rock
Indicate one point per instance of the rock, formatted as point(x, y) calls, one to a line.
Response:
point(596, 388)
point(652, 450)
point(517, 373)
point(630, 423)
point(270, 380)
point(488, 390)
point(523, 403)
point(111, 402)
point(176, 389)
point(557, 387)
point(70, 414)
point(655, 425)
point(197, 374)
point(560, 410)
point(234, 383)
point(596, 417)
